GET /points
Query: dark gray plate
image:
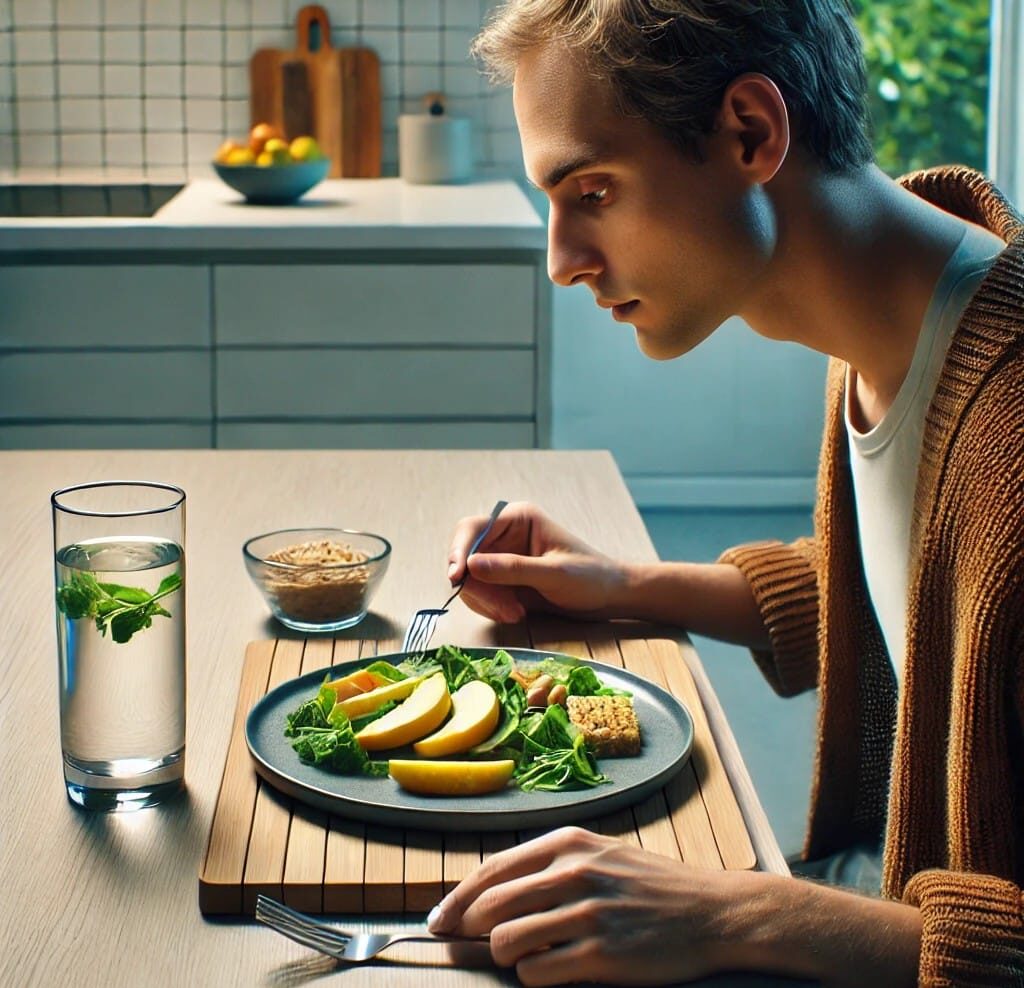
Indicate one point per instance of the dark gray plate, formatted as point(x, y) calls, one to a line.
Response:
point(666, 733)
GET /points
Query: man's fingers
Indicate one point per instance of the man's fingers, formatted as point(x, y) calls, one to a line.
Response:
point(496, 603)
point(574, 960)
point(510, 533)
point(510, 569)
point(465, 533)
point(500, 868)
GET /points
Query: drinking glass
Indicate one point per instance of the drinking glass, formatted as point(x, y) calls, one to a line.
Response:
point(120, 600)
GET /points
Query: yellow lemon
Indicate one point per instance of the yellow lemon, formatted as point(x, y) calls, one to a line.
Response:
point(240, 156)
point(305, 148)
point(475, 713)
point(265, 159)
point(278, 151)
point(426, 707)
point(450, 778)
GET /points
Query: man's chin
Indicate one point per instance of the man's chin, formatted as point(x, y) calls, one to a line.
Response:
point(658, 348)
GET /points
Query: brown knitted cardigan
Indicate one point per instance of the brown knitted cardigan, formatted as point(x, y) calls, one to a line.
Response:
point(952, 813)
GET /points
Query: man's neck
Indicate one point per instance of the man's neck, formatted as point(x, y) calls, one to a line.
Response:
point(857, 262)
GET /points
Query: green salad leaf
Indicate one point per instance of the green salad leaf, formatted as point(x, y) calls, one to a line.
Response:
point(333, 744)
point(387, 671)
point(558, 769)
point(313, 713)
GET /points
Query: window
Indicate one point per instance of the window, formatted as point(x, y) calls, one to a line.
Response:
point(928, 81)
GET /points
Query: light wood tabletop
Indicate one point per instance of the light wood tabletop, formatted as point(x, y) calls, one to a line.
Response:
point(111, 899)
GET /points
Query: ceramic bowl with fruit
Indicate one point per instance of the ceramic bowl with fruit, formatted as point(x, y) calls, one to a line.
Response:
point(270, 170)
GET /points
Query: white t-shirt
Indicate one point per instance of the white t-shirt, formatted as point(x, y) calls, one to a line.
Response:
point(884, 460)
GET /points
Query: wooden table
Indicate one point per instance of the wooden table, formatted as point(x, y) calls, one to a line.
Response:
point(97, 899)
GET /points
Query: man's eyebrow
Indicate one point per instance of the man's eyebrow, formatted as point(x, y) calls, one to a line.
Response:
point(560, 172)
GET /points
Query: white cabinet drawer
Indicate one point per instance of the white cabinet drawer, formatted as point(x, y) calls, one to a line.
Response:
point(375, 435)
point(140, 386)
point(374, 304)
point(106, 435)
point(363, 384)
point(104, 306)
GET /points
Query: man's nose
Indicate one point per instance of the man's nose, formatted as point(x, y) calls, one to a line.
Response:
point(572, 254)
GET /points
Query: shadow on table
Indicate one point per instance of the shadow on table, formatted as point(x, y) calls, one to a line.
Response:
point(313, 968)
point(372, 626)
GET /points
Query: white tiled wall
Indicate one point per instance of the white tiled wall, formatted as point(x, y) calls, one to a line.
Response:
point(156, 85)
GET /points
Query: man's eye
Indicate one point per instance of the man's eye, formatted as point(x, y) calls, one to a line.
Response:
point(597, 196)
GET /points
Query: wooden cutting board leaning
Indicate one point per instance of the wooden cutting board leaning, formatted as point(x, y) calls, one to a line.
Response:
point(331, 93)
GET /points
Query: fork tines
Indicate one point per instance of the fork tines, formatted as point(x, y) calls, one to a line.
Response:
point(421, 630)
point(318, 936)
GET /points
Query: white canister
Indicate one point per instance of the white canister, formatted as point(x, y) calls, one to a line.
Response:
point(434, 148)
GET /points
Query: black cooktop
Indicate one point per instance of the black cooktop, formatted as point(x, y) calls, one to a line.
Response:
point(62, 199)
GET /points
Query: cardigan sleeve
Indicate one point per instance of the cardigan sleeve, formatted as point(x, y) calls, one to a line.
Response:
point(972, 929)
point(784, 582)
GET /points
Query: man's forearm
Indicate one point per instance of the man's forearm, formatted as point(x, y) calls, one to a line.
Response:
point(712, 599)
point(838, 938)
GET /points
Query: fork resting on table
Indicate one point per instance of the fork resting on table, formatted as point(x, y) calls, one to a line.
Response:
point(351, 947)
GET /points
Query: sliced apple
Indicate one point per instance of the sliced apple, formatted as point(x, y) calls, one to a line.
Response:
point(365, 703)
point(475, 713)
point(450, 778)
point(353, 684)
point(425, 708)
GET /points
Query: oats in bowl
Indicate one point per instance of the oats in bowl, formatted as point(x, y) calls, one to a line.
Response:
point(317, 579)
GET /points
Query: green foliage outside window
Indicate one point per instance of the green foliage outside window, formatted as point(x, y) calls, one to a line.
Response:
point(928, 76)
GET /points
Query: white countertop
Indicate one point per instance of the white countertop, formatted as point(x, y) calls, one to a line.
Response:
point(339, 214)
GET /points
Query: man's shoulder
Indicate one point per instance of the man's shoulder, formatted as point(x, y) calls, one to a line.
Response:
point(969, 194)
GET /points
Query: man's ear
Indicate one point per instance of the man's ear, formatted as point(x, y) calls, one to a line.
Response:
point(755, 122)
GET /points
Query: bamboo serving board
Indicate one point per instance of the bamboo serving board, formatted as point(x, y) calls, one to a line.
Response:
point(262, 842)
point(331, 93)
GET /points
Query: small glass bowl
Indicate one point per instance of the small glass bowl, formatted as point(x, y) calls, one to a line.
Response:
point(317, 595)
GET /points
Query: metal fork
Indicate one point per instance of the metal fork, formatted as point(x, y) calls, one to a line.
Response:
point(352, 947)
point(421, 627)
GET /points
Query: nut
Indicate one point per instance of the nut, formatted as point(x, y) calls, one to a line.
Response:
point(559, 694)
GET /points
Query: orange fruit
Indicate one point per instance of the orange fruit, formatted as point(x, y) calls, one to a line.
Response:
point(260, 134)
point(225, 150)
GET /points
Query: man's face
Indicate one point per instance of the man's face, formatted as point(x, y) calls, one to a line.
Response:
point(671, 246)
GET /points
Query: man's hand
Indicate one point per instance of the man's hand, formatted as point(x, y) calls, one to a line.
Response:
point(528, 563)
point(575, 906)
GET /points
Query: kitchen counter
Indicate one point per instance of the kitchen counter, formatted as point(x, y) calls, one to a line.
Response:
point(339, 214)
point(372, 313)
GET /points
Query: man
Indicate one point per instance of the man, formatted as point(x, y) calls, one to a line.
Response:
point(705, 158)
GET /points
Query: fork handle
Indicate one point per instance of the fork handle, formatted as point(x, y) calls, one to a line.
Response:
point(495, 511)
point(426, 937)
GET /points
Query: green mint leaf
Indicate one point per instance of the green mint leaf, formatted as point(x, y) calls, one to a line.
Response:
point(124, 610)
point(125, 624)
point(127, 595)
point(169, 584)
point(76, 599)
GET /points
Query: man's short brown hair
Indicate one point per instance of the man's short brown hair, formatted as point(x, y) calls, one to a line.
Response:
point(670, 61)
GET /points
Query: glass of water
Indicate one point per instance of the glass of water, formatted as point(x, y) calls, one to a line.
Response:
point(120, 601)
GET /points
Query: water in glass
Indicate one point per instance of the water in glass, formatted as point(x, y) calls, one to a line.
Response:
point(123, 702)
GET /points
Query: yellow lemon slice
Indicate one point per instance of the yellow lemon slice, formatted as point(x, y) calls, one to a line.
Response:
point(366, 703)
point(426, 707)
point(475, 713)
point(450, 778)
